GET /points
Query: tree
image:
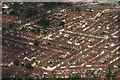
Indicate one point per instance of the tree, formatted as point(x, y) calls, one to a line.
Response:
point(16, 62)
point(30, 13)
point(94, 75)
point(49, 4)
point(62, 23)
point(38, 30)
point(118, 49)
point(14, 13)
point(75, 76)
point(118, 20)
point(91, 73)
point(103, 33)
point(5, 66)
point(44, 33)
point(77, 8)
point(36, 42)
point(28, 65)
point(10, 26)
point(111, 75)
point(4, 29)
point(52, 4)
point(108, 75)
point(23, 28)
point(43, 22)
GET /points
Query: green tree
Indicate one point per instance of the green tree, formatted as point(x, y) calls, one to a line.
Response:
point(103, 33)
point(62, 23)
point(23, 28)
point(14, 13)
point(36, 42)
point(10, 26)
point(16, 62)
point(111, 75)
point(43, 22)
point(28, 65)
point(44, 33)
point(118, 49)
point(75, 76)
point(30, 13)
point(38, 30)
